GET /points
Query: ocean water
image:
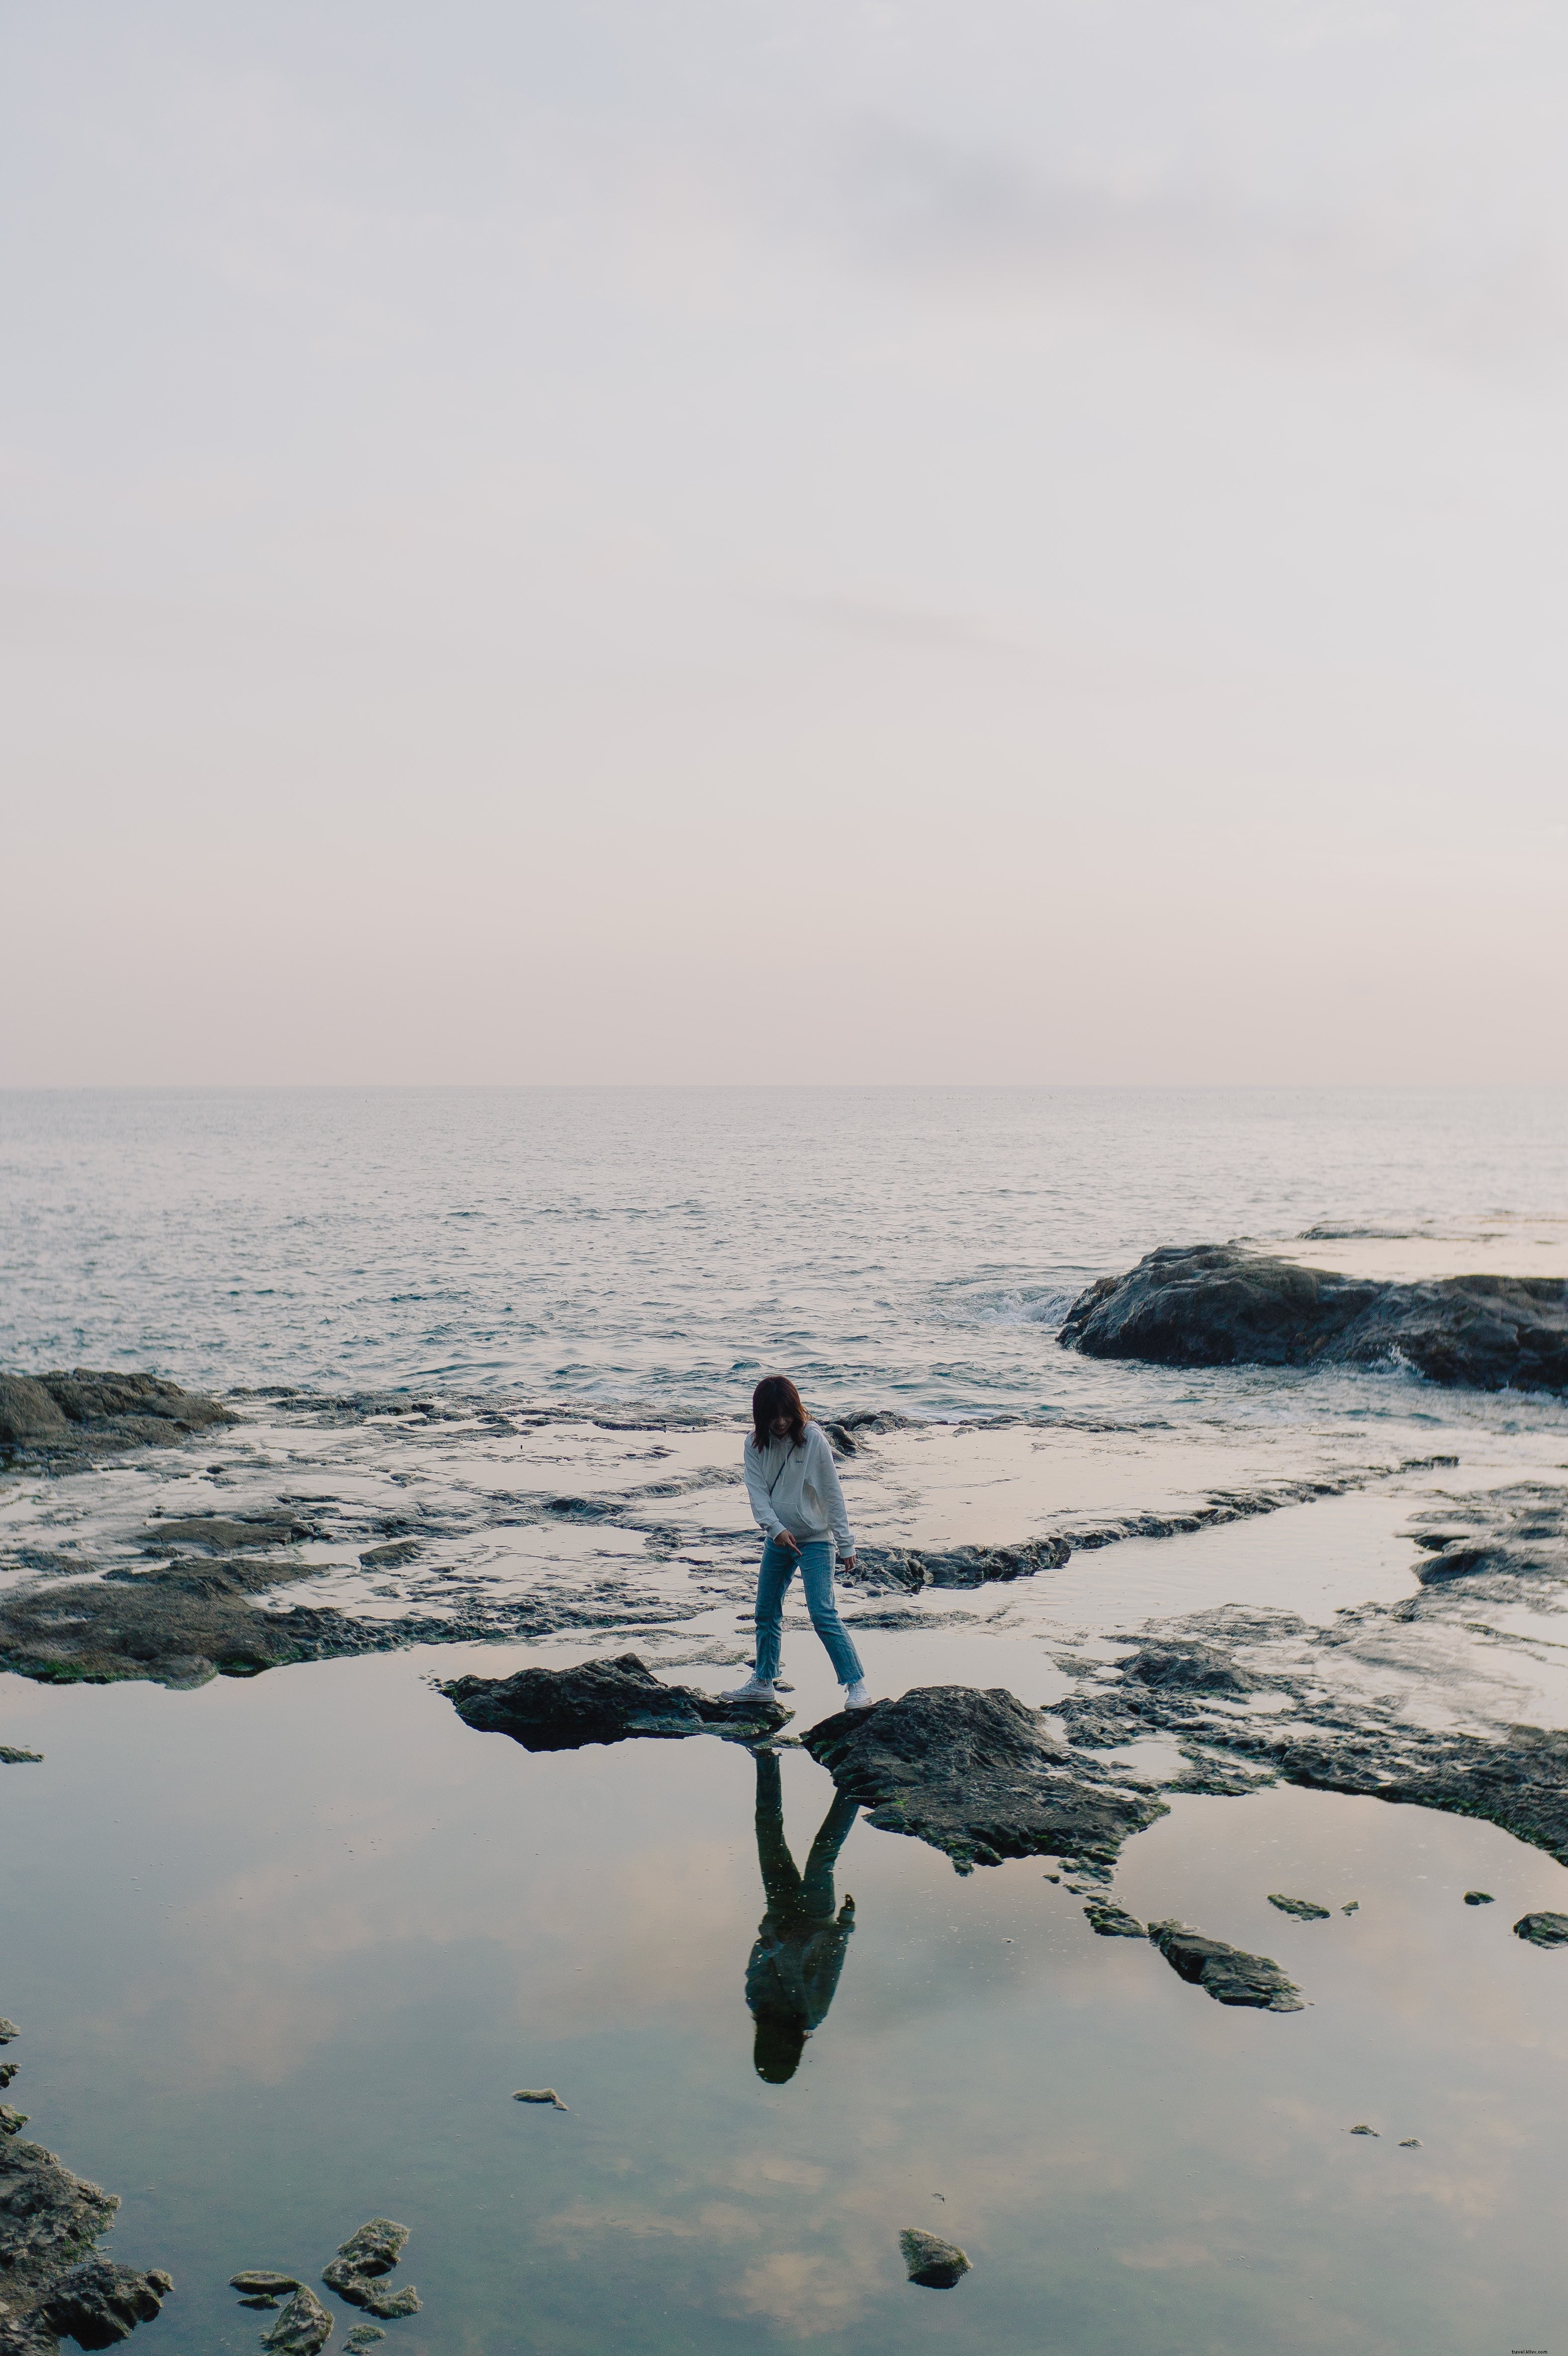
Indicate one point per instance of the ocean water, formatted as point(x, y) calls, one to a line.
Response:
point(905, 1248)
point(282, 1950)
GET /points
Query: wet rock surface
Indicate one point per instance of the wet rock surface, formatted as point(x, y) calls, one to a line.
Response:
point(603, 1701)
point(303, 2329)
point(979, 1776)
point(1109, 1921)
point(1516, 1531)
point(67, 1419)
point(53, 2283)
point(1216, 1305)
point(907, 1569)
point(929, 2261)
point(1544, 1929)
point(1305, 1910)
point(98, 2302)
point(1230, 1975)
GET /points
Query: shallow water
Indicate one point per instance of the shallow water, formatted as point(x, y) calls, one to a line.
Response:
point(282, 1951)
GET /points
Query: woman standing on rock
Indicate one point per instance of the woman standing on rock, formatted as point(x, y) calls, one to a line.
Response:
point(793, 1485)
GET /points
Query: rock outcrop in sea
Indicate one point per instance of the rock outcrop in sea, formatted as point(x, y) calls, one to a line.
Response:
point(978, 1775)
point(67, 1419)
point(1219, 1305)
point(603, 1701)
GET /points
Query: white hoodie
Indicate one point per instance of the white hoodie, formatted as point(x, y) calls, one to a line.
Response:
point(797, 1489)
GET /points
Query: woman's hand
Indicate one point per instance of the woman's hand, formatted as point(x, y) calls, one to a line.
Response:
point(787, 1539)
point(846, 1562)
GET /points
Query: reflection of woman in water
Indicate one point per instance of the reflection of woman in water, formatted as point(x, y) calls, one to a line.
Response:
point(800, 1941)
point(795, 1496)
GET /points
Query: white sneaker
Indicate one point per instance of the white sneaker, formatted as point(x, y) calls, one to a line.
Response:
point(754, 1689)
point(858, 1696)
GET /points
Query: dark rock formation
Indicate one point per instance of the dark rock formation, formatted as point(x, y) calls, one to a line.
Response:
point(223, 1533)
point(98, 2302)
point(1479, 1898)
point(376, 2247)
point(1543, 1929)
point(1187, 1667)
point(303, 2329)
point(373, 2251)
point(603, 1701)
point(51, 2279)
point(929, 2261)
point(261, 2281)
point(978, 1776)
point(885, 1570)
point(1108, 1922)
point(1215, 1305)
point(1228, 1975)
point(61, 1417)
point(1516, 1531)
point(1305, 1910)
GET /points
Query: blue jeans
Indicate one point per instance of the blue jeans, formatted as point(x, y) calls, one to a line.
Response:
point(816, 1561)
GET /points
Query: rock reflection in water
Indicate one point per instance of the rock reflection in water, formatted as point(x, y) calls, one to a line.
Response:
point(801, 1941)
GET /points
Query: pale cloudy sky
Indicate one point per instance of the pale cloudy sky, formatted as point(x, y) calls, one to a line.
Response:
point(860, 539)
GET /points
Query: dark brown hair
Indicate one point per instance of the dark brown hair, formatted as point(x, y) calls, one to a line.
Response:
point(777, 1395)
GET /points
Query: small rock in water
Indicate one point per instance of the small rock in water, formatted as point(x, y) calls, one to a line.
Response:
point(11, 2121)
point(1543, 1929)
point(1227, 1974)
point(375, 2247)
point(361, 2290)
point(932, 2263)
point(260, 2298)
point(303, 2329)
point(1478, 1897)
point(8, 2072)
point(10, 1758)
point(1110, 1922)
point(539, 2095)
point(364, 2335)
point(1353, 1908)
point(1410, 2143)
point(1371, 2131)
point(263, 2283)
point(8, 2030)
point(1305, 1910)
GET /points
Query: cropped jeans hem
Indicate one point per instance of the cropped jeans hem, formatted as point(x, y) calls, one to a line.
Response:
point(816, 1563)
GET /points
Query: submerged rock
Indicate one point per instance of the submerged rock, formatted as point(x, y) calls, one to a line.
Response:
point(1543, 1929)
point(980, 1777)
point(603, 1701)
point(884, 1569)
point(929, 2261)
point(1305, 1910)
point(304, 2327)
point(1216, 1305)
point(98, 2302)
point(539, 2095)
point(1227, 1974)
point(262, 2283)
point(1519, 1531)
point(362, 2290)
point(364, 2335)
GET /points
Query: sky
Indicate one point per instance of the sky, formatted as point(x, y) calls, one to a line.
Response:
point(861, 540)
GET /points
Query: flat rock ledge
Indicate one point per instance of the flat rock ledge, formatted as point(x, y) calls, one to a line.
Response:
point(1230, 1975)
point(979, 1776)
point(1216, 1305)
point(603, 1701)
point(67, 1419)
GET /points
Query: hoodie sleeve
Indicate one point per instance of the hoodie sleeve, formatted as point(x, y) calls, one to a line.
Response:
point(762, 1511)
point(825, 1479)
